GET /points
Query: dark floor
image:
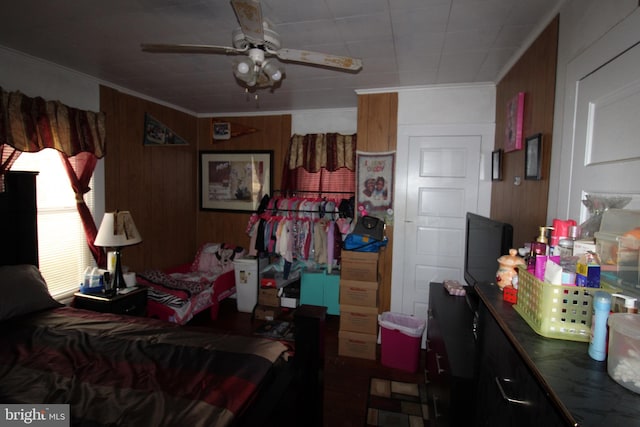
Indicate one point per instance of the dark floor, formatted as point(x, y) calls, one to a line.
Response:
point(346, 379)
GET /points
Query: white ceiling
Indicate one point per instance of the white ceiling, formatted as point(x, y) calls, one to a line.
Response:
point(402, 43)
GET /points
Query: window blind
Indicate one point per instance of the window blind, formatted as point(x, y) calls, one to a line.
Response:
point(62, 246)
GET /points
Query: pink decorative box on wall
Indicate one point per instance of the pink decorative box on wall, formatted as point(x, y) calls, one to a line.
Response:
point(515, 119)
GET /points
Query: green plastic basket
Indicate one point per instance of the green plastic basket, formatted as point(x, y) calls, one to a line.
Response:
point(554, 311)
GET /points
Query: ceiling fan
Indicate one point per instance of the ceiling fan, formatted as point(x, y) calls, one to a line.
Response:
point(258, 43)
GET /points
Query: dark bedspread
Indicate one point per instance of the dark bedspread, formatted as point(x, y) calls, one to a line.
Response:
point(127, 371)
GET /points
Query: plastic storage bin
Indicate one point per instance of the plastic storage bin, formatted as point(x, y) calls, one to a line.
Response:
point(400, 338)
point(623, 363)
point(613, 247)
point(247, 277)
point(554, 311)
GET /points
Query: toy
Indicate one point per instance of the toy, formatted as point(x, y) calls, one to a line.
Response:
point(507, 270)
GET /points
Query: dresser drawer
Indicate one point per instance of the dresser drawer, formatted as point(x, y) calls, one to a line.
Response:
point(509, 394)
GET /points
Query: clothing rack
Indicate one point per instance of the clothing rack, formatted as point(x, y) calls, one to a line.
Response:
point(316, 192)
point(312, 211)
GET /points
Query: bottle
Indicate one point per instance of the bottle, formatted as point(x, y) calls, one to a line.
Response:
point(95, 277)
point(539, 247)
point(86, 279)
point(598, 342)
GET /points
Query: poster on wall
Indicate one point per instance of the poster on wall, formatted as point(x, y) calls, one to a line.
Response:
point(374, 185)
point(513, 128)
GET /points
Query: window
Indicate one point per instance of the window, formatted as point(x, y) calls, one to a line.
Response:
point(62, 245)
point(342, 180)
point(322, 163)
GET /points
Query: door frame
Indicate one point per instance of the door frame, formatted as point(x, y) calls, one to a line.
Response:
point(405, 133)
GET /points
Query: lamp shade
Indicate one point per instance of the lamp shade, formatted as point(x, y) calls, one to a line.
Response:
point(117, 230)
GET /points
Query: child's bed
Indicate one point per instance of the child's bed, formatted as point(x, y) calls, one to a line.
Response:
point(179, 293)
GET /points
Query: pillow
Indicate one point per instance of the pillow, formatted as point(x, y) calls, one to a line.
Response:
point(206, 259)
point(23, 291)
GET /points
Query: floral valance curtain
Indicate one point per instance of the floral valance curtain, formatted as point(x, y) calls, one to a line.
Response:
point(331, 151)
point(318, 152)
point(33, 124)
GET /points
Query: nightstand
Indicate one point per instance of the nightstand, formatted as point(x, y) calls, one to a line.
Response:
point(133, 303)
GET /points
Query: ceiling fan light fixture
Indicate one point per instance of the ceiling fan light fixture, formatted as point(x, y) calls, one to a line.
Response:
point(273, 71)
point(243, 68)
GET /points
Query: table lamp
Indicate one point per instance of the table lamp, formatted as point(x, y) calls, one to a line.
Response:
point(117, 230)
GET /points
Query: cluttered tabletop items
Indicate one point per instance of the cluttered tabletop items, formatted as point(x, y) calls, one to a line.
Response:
point(582, 285)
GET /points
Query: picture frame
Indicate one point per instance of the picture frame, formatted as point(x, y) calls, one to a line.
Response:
point(221, 131)
point(496, 165)
point(533, 157)
point(235, 181)
point(515, 120)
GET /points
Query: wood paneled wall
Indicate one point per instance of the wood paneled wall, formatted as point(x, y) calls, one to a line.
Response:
point(157, 184)
point(272, 133)
point(378, 131)
point(525, 205)
point(160, 186)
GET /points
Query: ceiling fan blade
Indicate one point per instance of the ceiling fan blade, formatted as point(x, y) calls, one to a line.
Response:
point(342, 62)
point(190, 48)
point(249, 13)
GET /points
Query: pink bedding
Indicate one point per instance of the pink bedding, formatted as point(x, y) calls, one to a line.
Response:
point(178, 294)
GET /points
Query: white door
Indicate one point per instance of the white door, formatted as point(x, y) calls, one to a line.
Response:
point(444, 177)
point(601, 152)
point(442, 187)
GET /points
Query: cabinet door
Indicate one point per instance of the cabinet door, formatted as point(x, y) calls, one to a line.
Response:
point(508, 393)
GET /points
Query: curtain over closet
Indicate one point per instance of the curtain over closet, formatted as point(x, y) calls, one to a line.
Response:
point(33, 124)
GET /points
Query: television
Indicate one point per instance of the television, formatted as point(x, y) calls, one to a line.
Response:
point(486, 240)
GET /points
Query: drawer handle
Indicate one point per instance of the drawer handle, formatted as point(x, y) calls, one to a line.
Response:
point(438, 357)
point(130, 309)
point(435, 406)
point(504, 395)
point(427, 341)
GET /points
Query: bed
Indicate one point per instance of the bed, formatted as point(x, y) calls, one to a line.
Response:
point(179, 293)
point(128, 371)
point(117, 370)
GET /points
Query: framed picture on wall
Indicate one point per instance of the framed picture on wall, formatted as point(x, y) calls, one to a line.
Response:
point(496, 165)
point(221, 131)
point(533, 157)
point(234, 181)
